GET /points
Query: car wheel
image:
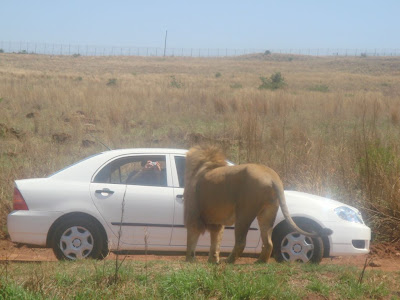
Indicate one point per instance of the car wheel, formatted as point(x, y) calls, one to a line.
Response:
point(78, 238)
point(292, 246)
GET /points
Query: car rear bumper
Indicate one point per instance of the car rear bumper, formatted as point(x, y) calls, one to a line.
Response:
point(349, 239)
point(30, 227)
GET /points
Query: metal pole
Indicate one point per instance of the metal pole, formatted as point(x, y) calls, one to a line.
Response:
point(165, 42)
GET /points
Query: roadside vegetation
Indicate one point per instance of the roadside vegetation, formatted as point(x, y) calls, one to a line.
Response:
point(179, 280)
point(329, 126)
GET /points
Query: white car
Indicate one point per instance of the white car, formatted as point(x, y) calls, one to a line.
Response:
point(133, 198)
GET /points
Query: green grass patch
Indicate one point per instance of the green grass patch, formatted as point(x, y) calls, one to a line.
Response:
point(179, 280)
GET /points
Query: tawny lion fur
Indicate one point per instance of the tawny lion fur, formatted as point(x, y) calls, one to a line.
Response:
point(217, 195)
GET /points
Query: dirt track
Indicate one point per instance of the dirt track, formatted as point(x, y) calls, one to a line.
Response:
point(385, 257)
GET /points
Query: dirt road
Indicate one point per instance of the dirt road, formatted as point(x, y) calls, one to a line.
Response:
point(385, 257)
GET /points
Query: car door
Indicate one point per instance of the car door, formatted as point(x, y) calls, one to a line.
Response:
point(179, 230)
point(134, 201)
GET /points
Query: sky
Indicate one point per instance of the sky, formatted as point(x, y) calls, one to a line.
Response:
point(279, 24)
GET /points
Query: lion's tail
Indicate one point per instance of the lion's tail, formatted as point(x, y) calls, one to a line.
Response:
point(282, 202)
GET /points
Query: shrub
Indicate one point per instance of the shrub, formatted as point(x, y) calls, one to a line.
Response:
point(236, 85)
point(319, 88)
point(175, 83)
point(267, 52)
point(112, 81)
point(76, 55)
point(276, 81)
point(218, 74)
point(1, 50)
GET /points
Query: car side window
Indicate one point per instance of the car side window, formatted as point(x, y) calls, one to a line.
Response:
point(149, 170)
point(180, 162)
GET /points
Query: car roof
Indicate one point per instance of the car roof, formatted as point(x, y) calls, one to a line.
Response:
point(85, 168)
point(146, 151)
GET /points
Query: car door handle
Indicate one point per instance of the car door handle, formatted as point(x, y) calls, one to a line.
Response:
point(180, 198)
point(104, 191)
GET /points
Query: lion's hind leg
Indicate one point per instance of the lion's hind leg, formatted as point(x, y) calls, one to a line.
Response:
point(241, 230)
point(216, 232)
point(266, 219)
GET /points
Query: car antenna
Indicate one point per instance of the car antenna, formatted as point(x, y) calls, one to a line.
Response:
point(100, 141)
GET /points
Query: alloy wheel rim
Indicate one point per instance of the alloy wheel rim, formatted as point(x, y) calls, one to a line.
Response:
point(297, 247)
point(76, 243)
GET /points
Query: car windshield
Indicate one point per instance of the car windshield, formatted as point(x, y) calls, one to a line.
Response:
point(78, 162)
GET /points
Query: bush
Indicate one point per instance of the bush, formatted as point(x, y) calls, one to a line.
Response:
point(218, 74)
point(236, 85)
point(112, 81)
point(175, 83)
point(276, 81)
point(1, 50)
point(319, 88)
point(267, 52)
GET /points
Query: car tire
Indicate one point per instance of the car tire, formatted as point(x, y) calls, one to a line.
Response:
point(290, 245)
point(78, 238)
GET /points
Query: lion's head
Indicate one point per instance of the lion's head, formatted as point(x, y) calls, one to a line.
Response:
point(200, 159)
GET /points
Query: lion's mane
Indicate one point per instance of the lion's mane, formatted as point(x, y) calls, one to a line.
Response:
point(199, 160)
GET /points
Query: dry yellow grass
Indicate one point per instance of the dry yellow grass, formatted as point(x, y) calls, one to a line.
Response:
point(333, 130)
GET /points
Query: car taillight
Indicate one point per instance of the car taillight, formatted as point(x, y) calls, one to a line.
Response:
point(19, 201)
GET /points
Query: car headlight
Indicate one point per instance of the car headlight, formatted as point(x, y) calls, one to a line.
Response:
point(348, 214)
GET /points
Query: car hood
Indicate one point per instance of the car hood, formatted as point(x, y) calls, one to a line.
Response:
point(313, 206)
point(314, 199)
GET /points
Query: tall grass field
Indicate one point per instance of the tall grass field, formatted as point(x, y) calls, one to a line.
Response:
point(328, 125)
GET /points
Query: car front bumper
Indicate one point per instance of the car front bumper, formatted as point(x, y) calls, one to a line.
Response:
point(349, 238)
point(30, 227)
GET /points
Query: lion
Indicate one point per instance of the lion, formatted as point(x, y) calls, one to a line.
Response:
point(217, 195)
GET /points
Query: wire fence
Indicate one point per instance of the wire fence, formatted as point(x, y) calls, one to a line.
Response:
point(90, 50)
